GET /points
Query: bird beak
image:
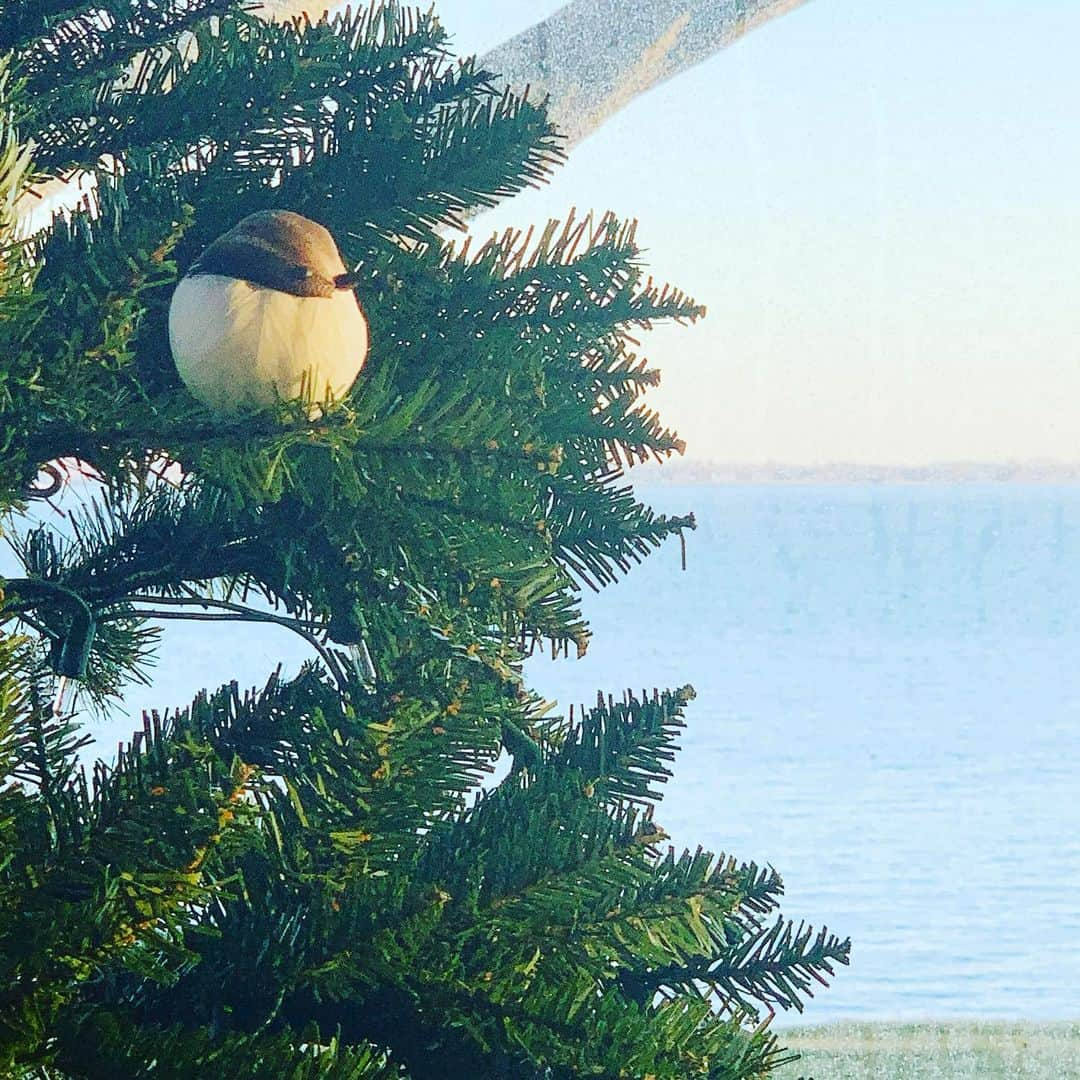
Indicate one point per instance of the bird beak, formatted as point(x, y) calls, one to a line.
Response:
point(346, 281)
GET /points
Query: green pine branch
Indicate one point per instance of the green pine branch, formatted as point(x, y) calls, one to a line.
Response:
point(622, 747)
point(95, 873)
point(305, 874)
point(107, 1043)
point(80, 61)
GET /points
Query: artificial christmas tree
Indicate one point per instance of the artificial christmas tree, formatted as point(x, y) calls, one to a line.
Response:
point(300, 881)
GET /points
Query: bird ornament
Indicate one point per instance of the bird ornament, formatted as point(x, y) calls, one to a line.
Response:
point(265, 314)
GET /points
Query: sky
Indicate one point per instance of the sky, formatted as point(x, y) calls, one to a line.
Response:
point(878, 205)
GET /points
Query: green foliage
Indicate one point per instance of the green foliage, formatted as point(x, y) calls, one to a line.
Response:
point(301, 881)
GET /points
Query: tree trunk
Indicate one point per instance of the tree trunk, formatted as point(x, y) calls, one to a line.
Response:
point(593, 57)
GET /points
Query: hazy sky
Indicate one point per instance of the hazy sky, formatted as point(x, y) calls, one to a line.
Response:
point(879, 205)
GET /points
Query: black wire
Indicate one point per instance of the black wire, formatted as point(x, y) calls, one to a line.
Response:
point(234, 613)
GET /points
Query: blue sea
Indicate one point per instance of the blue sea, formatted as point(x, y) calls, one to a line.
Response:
point(888, 712)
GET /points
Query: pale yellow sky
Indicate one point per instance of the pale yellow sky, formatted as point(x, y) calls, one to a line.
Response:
point(878, 205)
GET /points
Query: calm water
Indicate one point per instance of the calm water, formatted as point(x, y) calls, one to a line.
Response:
point(888, 711)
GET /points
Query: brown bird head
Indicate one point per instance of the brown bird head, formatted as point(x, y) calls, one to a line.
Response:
point(278, 249)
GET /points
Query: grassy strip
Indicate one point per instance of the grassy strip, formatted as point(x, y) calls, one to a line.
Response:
point(963, 1050)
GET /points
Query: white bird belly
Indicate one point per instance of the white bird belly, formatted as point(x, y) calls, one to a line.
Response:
point(239, 346)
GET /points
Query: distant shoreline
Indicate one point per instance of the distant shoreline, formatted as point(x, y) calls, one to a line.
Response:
point(949, 472)
point(935, 1050)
